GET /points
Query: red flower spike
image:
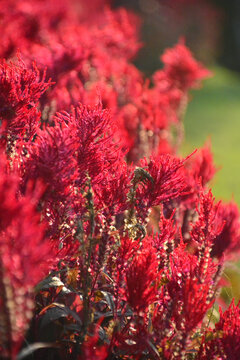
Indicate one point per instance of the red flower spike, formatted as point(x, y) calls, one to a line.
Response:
point(93, 134)
point(126, 251)
point(24, 260)
point(191, 294)
point(195, 299)
point(202, 166)
point(111, 193)
point(168, 180)
point(20, 91)
point(141, 280)
point(47, 161)
point(9, 186)
point(181, 70)
point(164, 240)
point(224, 341)
point(227, 242)
point(229, 325)
point(167, 231)
point(208, 226)
point(92, 350)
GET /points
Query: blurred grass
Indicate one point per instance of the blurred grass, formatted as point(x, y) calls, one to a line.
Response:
point(214, 112)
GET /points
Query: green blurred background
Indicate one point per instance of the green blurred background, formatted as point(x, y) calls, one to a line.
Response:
point(214, 112)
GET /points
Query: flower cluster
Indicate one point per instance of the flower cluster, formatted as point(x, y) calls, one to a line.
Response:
point(111, 245)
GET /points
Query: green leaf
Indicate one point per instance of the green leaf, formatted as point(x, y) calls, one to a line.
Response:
point(56, 312)
point(109, 299)
point(49, 282)
point(33, 347)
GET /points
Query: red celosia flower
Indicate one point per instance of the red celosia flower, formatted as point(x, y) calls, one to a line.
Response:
point(181, 70)
point(229, 325)
point(202, 166)
point(228, 241)
point(194, 298)
point(208, 226)
point(92, 350)
point(92, 131)
point(24, 256)
point(141, 280)
point(47, 161)
point(224, 341)
point(166, 234)
point(191, 292)
point(167, 183)
point(9, 207)
point(126, 251)
point(20, 90)
point(111, 193)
